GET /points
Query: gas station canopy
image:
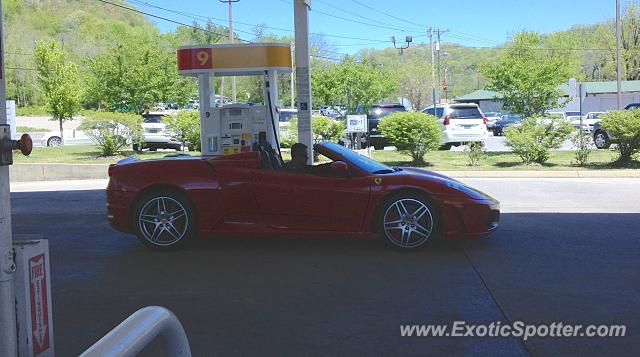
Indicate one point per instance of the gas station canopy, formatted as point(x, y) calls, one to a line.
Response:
point(235, 59)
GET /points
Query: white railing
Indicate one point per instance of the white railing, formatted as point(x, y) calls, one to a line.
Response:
point(140, 329)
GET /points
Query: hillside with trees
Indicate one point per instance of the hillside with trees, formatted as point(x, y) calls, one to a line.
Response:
point(96, 36)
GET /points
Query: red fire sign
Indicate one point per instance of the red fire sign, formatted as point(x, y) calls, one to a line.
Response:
point(39, 308)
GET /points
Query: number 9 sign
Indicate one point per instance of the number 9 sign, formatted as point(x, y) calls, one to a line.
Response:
point(202, 58)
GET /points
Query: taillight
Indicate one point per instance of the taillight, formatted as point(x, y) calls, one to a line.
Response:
point(447, 120)
point(484, 119)
point(111, 168)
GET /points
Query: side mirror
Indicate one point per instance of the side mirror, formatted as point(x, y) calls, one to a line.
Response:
point(339, 169)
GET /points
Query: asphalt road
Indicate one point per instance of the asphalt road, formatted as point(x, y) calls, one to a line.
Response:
point(567, 250)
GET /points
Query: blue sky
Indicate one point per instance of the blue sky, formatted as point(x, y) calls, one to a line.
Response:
point(472, 23)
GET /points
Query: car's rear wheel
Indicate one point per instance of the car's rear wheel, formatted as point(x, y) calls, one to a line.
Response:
point(165, 220)
point(408, 222)
point(54, 141)
point(601, 140)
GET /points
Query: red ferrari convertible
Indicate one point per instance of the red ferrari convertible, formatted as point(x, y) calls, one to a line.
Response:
point(170, 201)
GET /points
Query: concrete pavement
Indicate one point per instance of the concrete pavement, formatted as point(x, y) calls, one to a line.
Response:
point(274, 296)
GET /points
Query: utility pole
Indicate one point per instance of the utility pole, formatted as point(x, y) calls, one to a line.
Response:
point(619, 53)
point(8, 339)
point(439, 32)
point(231, 40)
point(433, 74)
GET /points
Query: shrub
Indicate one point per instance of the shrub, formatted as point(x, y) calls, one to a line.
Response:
point(533, 139)
point(111, 131)
point(186, 125)
point(475, 152)
point(581, 141)
point(415, 133)
point(624, 126)
point(324, 129)
point(327, 129)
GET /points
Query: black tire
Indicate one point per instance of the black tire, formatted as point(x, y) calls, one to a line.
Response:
point(154, 211)
point(54, 141)
point(421, 220)
point(136, 148)
point(446, 146)
point(601, 139)
point(378, 147)
point(153, 148)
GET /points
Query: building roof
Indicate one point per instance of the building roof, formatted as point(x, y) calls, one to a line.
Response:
point(610, 87)
point(480, 94)
point(587, 87)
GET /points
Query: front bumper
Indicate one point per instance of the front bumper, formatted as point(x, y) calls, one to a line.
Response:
point(470, 218)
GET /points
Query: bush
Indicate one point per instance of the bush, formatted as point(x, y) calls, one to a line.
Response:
point(327, 129)
point(624, 126)
point(415, 133)
point(475, 152)
point(111, 131)
point(186, 125)
point(581, 141)
point(533, 139)
point(324, 129)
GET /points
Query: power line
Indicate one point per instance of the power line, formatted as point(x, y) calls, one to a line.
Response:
point(355, 14)
point(387, 14)
point(201, 17)
point(166, 19)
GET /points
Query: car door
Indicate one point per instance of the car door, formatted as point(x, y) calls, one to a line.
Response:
point(296, 201)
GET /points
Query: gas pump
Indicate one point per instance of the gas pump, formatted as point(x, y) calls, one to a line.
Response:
point(235, 128)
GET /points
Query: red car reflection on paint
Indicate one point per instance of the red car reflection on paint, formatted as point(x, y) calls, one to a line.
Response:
point(170, 201)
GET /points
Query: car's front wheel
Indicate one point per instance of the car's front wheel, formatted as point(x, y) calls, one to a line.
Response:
point(165, 220)
point(408, 222)
point(601, 140)
point(54, 141)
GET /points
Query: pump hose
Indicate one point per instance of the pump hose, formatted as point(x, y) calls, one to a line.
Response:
point(273, 122)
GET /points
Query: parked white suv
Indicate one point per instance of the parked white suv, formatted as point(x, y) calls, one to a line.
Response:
point(155, 134)
point(459, 123)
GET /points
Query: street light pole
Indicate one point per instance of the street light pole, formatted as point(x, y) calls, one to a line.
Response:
point(408, 40)
point(231, 40)
point(8, 342)
point(619, 54)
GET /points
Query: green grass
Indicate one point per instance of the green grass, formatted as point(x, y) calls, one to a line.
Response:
point(82, 154)
point(436, 160)
point(32, 111)
point(29, 129)
point(495, 161)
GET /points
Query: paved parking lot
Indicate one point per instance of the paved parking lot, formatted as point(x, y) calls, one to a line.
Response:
point(567, 251)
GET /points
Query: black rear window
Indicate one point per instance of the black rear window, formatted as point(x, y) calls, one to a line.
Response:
point(438, 113)
point(153, 118)
point(378, 112)
point(465, 112)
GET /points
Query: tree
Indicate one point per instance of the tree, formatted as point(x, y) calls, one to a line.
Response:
point(136, 73)
point(186, 125)
point(415, 133)
point(111, 132)
point(59, 82)
point(528, 75)
point(624, 125)
point(415, 82)
point(356, 84)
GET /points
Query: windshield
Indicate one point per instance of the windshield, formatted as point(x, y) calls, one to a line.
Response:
point(465, 112)
point(287, 116)
point(362, 162)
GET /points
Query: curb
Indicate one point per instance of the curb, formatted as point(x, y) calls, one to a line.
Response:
point(57, 172)
point(61, 172)
point(545, 174)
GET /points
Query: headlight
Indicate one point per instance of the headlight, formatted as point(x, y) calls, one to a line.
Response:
point(472, 192)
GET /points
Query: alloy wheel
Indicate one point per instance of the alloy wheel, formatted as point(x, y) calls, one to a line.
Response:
point(408, 223)
point(163, 221)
